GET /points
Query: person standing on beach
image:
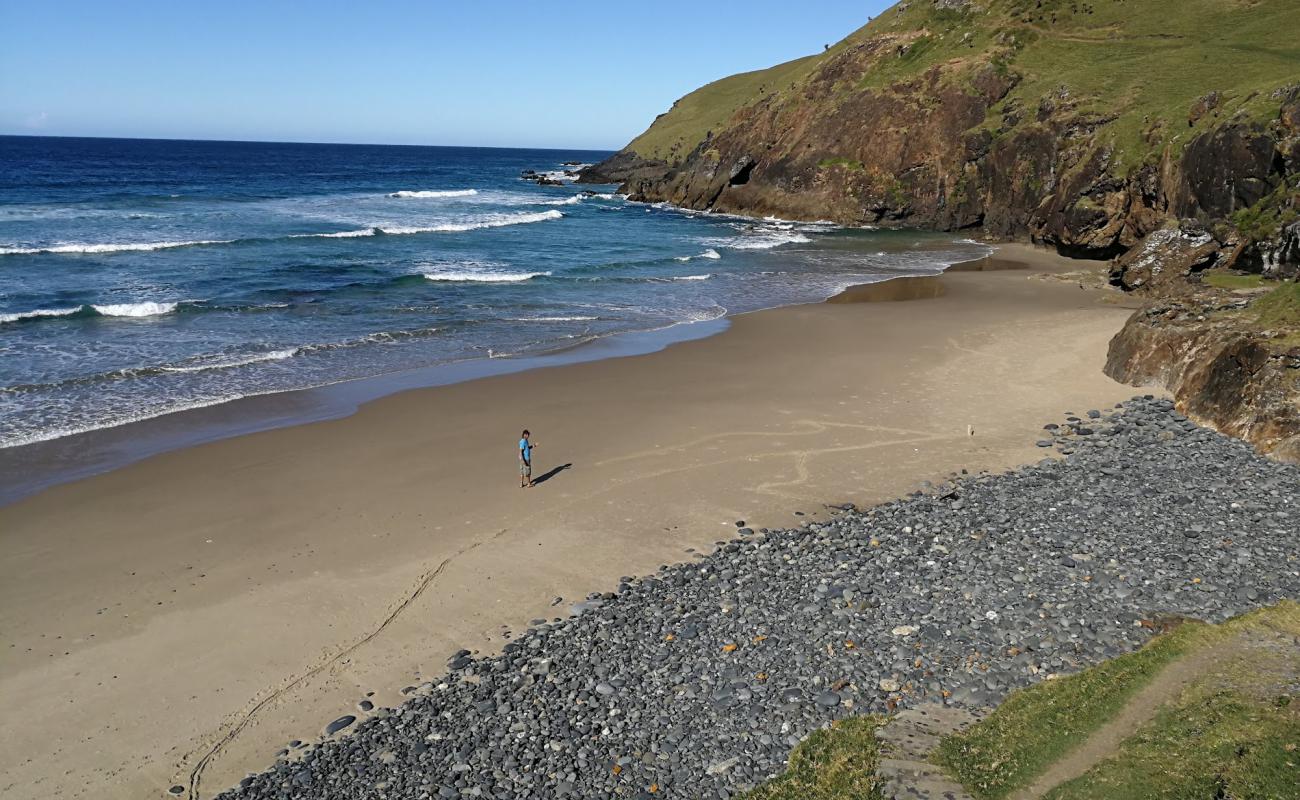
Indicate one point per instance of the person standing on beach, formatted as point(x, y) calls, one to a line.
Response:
point(526, 446)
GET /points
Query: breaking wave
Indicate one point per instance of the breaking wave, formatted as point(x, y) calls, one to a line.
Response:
point(337, 235)
point(763, 241)
point(435, 193)
point(710, 253)
point(147, 309)
point(484, 277)
point(494, 221)
point(135, 309)
point(111, 247)
point(40, 313)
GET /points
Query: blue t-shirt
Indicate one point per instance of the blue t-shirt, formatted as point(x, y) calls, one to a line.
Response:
point(525, 451)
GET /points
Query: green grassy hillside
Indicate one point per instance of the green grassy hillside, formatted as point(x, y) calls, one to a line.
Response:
point(1136, 65)
point(675, 134)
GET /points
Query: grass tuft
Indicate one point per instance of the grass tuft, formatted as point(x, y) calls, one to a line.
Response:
point(834, 764)
point(1036, 726)
point(1279, 308)
point(1232, 280)
point(847, 163)
point(1211, 744)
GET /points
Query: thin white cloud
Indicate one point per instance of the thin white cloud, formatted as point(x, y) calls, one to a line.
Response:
point(36, 121)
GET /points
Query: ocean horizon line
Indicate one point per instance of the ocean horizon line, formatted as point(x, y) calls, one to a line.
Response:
point(575, 149)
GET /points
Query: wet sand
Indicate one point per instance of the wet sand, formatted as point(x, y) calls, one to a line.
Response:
point(178, 620)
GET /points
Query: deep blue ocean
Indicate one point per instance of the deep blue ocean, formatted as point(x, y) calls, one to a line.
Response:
point(142, 277)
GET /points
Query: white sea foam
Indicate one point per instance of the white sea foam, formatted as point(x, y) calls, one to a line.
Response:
point(147, 309)
point(553, 319)
point(135, 309)
point(704, 315)
point(429, 193)
point(118, 247)
point(703, 277)
point(568, 201)
point(388, 337)
point(710, 253)
point(49, 434)
point(338, 235)
point(493, 221)
point(39, 313)
point(274, 355)
point(559, 174)
point(761, 241)
point(484, 277)
point(378, 337)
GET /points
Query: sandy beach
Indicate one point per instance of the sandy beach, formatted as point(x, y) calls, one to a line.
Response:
point(179, 620)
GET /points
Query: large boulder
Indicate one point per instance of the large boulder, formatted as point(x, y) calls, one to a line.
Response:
point(1165, 259)
point(1220, 371)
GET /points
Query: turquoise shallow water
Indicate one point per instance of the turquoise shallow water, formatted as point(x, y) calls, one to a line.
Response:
point(139, 278)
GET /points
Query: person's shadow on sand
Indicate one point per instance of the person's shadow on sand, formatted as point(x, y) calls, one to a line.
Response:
point(543, 478)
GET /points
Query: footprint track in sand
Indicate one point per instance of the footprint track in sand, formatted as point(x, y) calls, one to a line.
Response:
point(241, 721)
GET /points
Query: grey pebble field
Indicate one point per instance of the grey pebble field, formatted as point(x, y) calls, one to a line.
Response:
point(698, 680)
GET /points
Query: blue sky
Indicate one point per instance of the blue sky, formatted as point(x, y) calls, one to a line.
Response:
point(507, 73)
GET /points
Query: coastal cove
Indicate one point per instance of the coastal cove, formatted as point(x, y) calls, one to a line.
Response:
point(910, 411)
point(238, 594)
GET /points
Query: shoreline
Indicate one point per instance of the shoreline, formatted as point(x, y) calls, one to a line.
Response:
point(28, 469)
point(336, 558)
point(94, 452)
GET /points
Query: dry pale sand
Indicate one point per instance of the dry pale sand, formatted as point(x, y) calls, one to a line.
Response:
point(195, 611)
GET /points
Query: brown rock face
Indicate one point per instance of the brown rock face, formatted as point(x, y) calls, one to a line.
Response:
point(920, 154)
point(948, 150)
point(1227, 169)
point(1220, 372)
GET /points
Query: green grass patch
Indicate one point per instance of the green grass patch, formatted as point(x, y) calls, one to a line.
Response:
point(1279, 308)
point(1036, 726)
point(1269, 216)
point(1145, 63)
point(834, 764)
point(1231, 280)
point(847, 163)
point(707, 109)
point(1209, 745)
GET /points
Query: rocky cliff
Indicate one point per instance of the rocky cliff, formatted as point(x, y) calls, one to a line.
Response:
point(1082, 125)
point(1163, 135)
point(1222, 366)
